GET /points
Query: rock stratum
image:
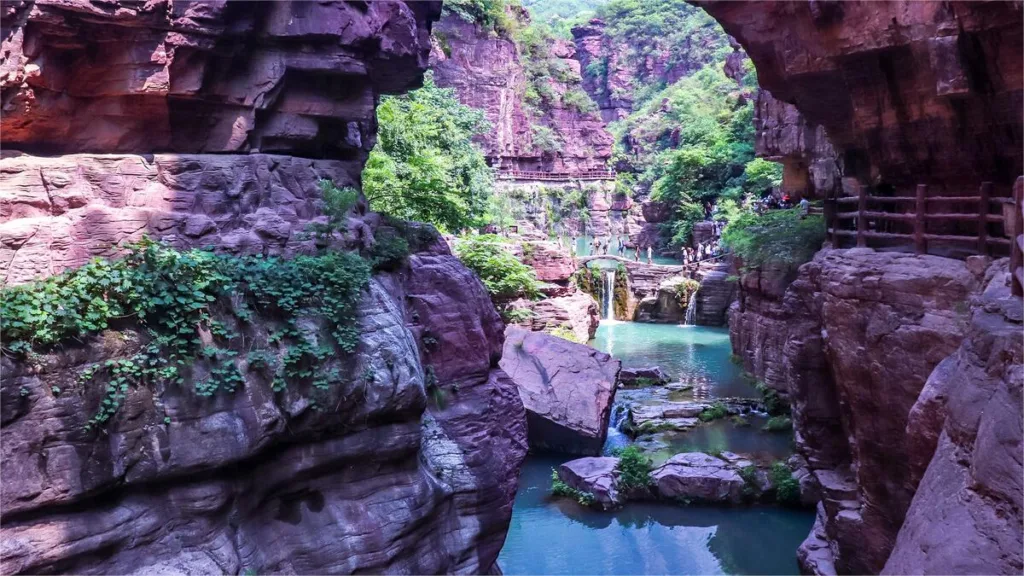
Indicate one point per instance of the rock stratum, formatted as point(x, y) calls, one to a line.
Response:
point(909, 93)
point(487, 71)
point(871, 348)
point(208, 124)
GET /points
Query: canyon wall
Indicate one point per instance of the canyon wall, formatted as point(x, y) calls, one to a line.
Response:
point(862, 342)
point(908, 92)
point(487, 71)
point(208, 125)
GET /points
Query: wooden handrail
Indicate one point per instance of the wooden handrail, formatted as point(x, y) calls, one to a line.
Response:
point(917, 213)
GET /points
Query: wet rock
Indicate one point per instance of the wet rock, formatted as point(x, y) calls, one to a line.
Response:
point(698, 477)
point(577, 312)
point(649, 376)
point(567, 389)
point(596, 475)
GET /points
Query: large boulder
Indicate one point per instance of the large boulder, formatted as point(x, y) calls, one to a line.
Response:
point(699, 477)
point(576, 312)
point(595, 475)
point(567, 389)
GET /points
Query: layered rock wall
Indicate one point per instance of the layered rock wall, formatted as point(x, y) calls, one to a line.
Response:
point(852, 339)
point(208, 125)
point(487, 72)
point(908, 92)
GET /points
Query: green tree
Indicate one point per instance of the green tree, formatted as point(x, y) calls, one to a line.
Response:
point(505, 277)
point(425, 165)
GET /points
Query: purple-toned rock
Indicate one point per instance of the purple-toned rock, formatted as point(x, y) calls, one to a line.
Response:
point(567, 389)
point(700, 477)
point(596, 475)
point(651, 375)
point(549, 261)
point(577, 312)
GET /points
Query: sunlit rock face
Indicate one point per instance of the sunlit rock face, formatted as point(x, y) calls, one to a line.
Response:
point(908, 92)
point(208, 124)
point(487, 73)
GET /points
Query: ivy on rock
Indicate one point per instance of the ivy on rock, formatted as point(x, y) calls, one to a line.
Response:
point(184, 301)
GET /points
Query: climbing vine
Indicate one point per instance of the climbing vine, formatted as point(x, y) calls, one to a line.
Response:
point(173, 296)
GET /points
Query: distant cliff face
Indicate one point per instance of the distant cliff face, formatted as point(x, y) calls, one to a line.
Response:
point(487, 71)
point(909, 92)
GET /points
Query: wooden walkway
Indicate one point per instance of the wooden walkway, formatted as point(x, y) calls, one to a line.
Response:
point(554, 176)
point(918, 211)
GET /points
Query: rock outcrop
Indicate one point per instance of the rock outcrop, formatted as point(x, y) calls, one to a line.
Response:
point(209, 124)
point(594, 475)
point(486, 72)
point(369, 477)
point(699, 477)
point(576, 313)
point(567, 388)
point(852, 340)
point(965, 517)
point(927, 92)
point(810, 166)
point(300, 78)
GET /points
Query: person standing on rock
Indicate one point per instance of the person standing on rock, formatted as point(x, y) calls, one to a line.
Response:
point(636, 254)
point(622, 248)
point(650, 259)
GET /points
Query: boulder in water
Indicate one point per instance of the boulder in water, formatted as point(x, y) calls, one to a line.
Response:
point(595, 475)
point(567, 388)
point(649, 376)
point(698, 476)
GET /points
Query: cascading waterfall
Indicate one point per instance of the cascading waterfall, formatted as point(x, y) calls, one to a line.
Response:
point(691, 310)
point(608, 295)
point(616, 438)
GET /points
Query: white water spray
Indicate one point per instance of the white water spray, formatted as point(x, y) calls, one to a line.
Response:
point(691, 310)
point(608, 297)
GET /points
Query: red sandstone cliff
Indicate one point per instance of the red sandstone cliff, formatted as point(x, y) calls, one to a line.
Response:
point(157, 118)
point(908, 92)
point(487, 72)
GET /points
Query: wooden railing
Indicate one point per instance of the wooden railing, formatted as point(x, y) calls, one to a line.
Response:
point(554, 176)
point(918, 211)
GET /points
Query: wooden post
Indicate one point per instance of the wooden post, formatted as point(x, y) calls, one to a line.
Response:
point(920, 211)
point(862, 207)
point(986, 192)
point(829, 210)
point(1017, 233)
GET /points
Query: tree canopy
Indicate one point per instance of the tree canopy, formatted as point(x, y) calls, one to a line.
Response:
point(425, 165)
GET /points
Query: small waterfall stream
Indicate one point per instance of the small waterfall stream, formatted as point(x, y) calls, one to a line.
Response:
point(691, 310)
point(608, 295)
point(616, 438)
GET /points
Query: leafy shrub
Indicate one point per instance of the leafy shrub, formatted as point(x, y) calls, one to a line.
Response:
point(172, 294)
point(389, 252)
point(749, 475)
point(739, 420)
point(787, 489)
point(566, 333)
point(578, 101)
point(545, 140)
point(489, 14)
point(778, 237)
point(337, 203)
point(563, 490)
point(517, 315)
point(634, 468)
point(716, 411)
point(778, 424)
point(505, 277)
point(774, 404)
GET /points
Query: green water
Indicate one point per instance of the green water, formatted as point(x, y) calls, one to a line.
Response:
point(694, 355)
point(723, 436)
point(560, 537)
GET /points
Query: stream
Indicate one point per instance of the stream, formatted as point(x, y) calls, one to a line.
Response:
point(558, 536)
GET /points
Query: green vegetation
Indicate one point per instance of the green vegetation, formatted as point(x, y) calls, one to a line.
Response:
point(337, 203)
point(778, 424)
point(425, 166)
point(562, 15)
point(489, 14)
point(563, 490)
point(774, 404)
point(749, 475)
point(545, 139)
point(644, 382)
point(739, 420)
point(517, 315)
point(505, 277)
point(176, 296)
point(716, 411)
point(634, 469)
point(776, 238)
point(787, 489)
point(566, 333)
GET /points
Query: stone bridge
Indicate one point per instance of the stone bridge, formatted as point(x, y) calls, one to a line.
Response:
point(583, 260)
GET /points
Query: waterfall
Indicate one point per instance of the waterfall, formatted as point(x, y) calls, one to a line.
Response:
point(608, 295)
point(616, 439)
point(691, 310)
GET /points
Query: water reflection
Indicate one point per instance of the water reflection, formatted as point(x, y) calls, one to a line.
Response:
point(560, 537)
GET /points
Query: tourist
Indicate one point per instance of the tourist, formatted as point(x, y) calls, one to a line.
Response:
point(622, 248)
point(636, 254)
point(650, 259)
point(805, 208)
